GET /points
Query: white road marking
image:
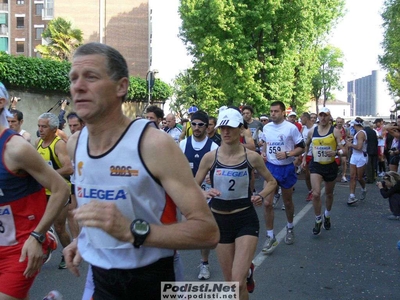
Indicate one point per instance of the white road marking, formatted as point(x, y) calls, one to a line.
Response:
point(259, 259)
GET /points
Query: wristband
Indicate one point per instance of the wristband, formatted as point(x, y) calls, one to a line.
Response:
point(340, 152)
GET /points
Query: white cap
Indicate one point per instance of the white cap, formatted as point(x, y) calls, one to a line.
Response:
point(229, 117)
point(324, 110)
point(292, 114)
point(356, 122)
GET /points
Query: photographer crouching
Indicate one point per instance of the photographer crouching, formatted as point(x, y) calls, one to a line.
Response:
point(390, 188)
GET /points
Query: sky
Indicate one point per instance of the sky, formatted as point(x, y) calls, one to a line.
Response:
point(358, 35)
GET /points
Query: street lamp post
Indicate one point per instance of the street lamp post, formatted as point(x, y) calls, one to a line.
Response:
point(150, 79)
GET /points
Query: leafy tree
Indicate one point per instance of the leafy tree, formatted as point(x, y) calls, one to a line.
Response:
point(61, 39)
point(192, 89)
point(390, 60)
point(330, 61)
point(254, 52)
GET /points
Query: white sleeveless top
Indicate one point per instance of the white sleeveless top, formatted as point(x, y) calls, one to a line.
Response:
point(364, 146)
point(119, 176)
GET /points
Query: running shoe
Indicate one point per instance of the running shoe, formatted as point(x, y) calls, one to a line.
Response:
point(270, 245)
point(363, 194)
point(53, 295)
point(393, 218)
point(204, 273)
point(289, 238)
point(309, 196)
point(49, 245)
point(317, 228)
point(327, 223)
point(283, 206)
point(351, 200)
point(62, 264)
point(251, 284)
point(344, 179)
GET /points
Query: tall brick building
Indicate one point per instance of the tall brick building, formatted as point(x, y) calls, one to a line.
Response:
point(22, 23)
point(122, 24)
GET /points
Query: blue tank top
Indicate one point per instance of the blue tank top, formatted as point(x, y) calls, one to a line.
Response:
point(194, 157)
point(14, 186)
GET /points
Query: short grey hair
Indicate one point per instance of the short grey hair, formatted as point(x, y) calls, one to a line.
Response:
point(117, 66)
point(53, 120)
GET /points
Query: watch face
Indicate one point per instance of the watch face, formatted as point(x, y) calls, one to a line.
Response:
point(141, 227)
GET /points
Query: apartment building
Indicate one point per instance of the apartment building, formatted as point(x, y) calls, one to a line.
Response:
point(122, 24)
point(22, 23)
point(368, 95)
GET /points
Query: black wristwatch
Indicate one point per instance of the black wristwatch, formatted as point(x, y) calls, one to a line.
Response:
point(140, 230)
point(40, 237)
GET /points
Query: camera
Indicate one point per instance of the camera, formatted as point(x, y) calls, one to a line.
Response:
point(383, 183)
point(62, 100)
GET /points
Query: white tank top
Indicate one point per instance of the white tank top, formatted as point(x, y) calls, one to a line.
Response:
point(364, 146)
point(119, 176)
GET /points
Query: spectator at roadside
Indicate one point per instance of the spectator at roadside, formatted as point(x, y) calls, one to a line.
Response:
point(394, 147)
point(390, 188)
point(372, 151)
point(382, 135)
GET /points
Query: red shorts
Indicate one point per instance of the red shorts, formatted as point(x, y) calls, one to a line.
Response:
point(12, 280)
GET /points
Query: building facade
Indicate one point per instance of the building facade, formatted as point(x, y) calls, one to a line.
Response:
point(368, 96)
point(123, 24)
point(22, 23)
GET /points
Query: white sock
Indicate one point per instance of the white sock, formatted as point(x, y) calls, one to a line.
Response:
point(327, 213)
point(270, 233)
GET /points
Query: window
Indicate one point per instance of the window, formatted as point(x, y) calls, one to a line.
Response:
point(38, 9)
point(20, 2)
point(20, 22)
point(38, 33)
point(20, 47)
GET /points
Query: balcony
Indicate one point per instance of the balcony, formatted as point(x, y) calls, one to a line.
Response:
point(4, 7)
point(47, 14)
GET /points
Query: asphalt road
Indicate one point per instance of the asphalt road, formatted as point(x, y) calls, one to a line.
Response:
point(356, 259)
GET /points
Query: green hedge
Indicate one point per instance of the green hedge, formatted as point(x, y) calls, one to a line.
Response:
point(44, 75)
